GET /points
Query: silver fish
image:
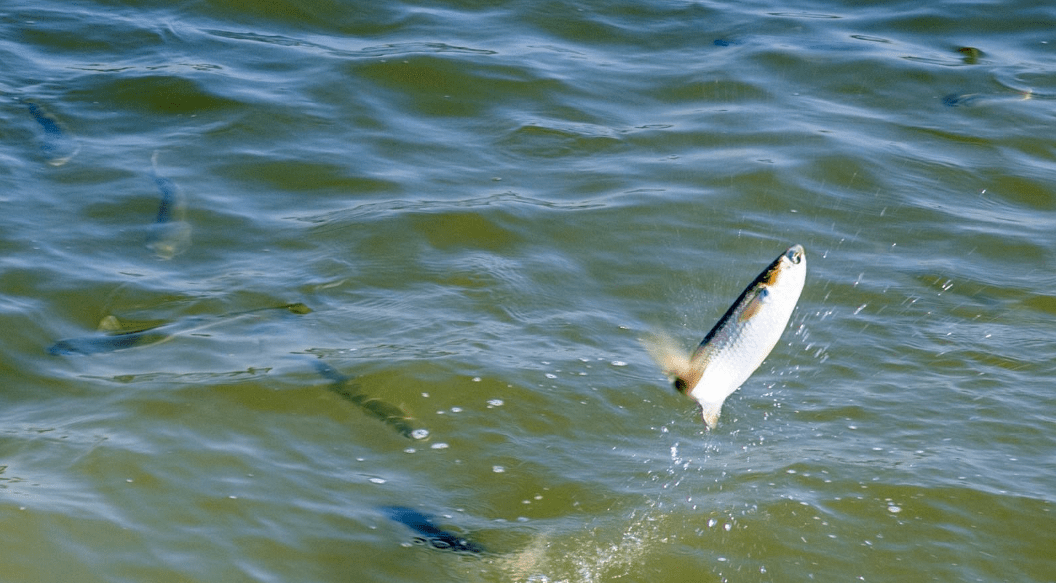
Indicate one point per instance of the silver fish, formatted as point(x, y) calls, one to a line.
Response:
point(171, 233)
point(742, 338)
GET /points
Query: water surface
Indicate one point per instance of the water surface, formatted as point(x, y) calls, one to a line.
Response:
point(485, 207)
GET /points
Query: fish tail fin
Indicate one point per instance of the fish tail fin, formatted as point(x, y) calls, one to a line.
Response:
point(710, 413)
point(671, 358)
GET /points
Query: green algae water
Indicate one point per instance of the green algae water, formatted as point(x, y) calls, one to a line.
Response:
point(483, 208)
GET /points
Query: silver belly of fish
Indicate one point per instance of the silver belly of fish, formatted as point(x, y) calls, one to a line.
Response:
point(742, 338)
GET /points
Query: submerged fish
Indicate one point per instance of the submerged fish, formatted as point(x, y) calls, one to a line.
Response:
point(742, 338)
point(100, 343)
point(171, 233)
point(435, 536)
point(384, 411)
point(57, 144)
point(971, 99)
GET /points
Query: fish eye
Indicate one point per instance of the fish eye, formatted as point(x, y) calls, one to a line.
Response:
point(795, 256)
point(680, 385)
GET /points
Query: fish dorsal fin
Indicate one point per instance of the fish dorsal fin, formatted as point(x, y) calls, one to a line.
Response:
point(110, 324)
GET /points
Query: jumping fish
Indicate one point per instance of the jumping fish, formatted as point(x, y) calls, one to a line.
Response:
point(742, 338)
point(100, 343)
point(430, 533)
point(58, 144)
point(386, 412)
point(171, 233)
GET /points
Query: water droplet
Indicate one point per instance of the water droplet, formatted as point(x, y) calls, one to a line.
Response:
point(440, 445)
point(498, 469)
point(495, 403)
point(377, 480)
point(619, 363)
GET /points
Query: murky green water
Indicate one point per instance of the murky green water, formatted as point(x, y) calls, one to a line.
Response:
point(485, 207)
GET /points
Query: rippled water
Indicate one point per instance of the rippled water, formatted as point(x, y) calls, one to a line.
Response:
point(485, 208)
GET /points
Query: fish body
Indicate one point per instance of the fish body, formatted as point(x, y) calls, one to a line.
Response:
point(432, 534)
point(57, 144)
point(101, 343)
point(741, 339)
point(386, 412)
point(113, 342)
point(171, 233)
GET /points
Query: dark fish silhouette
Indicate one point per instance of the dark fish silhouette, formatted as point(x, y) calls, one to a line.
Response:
point(384, 411)
point(430, 533)
point(113, 342)
point(57, 144)
point(100, 343)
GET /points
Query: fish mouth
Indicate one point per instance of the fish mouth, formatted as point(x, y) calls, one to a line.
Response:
point(795, 254)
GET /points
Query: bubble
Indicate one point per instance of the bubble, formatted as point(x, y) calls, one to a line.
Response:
point(440, 445)
point(495, 403)
point(376, 480)
point(619, 363)
point(894, 509)
point(420, 433)
point(498, 469)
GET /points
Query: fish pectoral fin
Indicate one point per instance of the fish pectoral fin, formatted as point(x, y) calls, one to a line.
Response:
point(754, 305)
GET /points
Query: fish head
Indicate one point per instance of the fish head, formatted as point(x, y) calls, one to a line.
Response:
point(783, 279)
point(790, 266)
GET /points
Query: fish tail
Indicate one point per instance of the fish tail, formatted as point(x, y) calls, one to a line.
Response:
point(670, 357)
point(710, 413)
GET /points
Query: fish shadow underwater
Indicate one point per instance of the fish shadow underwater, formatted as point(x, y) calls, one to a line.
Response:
point(429, 533)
